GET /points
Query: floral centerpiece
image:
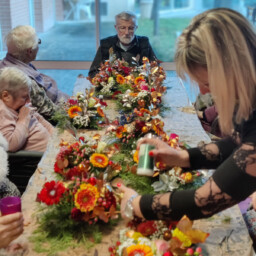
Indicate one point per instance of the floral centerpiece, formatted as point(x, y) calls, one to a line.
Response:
point(81, 111)
point(133, 86)
point(159, 238)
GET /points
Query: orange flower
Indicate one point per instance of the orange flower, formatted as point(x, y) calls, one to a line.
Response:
point(86, 197)
point(136, 156)
point(120, 79)
point(139, 79)
point(100, 111)
point(133, 94)
point(119, 132)
point(139, 249)
point(73, 111)
point(99, 160)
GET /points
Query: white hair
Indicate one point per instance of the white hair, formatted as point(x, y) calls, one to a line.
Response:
point(21, 38)
point(13, 80)
point(126, 15)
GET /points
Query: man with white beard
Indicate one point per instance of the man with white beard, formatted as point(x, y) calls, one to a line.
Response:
point(125, 44)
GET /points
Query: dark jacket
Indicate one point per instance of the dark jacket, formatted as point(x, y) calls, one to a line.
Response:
point(140, 46)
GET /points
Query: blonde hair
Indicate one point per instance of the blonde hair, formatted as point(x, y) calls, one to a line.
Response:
point(224, 42)
point(19, 39)
point(13, 81)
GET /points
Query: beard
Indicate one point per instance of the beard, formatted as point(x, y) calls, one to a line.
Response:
point(126, 39)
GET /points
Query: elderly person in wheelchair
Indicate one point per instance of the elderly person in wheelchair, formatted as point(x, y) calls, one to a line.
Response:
point(22, 127)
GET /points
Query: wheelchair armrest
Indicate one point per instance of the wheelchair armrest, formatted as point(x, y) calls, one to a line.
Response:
point(26, 154)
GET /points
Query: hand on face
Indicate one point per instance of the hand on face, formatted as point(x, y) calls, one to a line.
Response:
point(11, 226)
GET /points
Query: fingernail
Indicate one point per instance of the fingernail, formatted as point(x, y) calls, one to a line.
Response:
point(150, 153)
point(119, 185)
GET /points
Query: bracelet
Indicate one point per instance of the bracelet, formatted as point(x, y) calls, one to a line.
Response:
point(128, 211)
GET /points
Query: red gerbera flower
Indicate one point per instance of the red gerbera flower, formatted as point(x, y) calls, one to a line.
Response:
point(51, 192)
point(147, 228)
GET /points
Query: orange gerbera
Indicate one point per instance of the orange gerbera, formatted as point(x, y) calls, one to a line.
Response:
point(100, 111)
point(86, 197)
point(120, 79)
point(99, 160)
point(139, 249)
point(73, 111)
point(139, 79)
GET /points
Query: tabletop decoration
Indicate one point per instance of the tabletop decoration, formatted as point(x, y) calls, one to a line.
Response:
point(132, 86)
point(86, 158)
point(81, 111)
point(159, 238)
point(75, 211)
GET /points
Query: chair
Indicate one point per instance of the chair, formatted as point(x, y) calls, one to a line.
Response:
point(22, 165)
point(85, 6)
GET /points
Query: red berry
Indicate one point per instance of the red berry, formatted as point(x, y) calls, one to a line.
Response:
point(199, 249)
point(110, 249)
point(92, 181)
point(118, 243)
point(190, 251)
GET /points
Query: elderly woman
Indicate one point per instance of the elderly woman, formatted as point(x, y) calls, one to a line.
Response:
point(22, 43)
point(218, 51)
point(22, 128)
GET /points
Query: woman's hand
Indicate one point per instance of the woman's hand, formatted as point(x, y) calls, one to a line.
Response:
point(11, 226)
point(128, 193)
point(25, 113)
point(166, 154)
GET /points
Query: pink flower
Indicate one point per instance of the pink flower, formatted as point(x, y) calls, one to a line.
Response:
point(144, 87)
point(72, 102)
point(162, 246)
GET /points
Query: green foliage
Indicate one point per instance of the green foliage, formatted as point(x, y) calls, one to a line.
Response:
point(61, 232)
point(141, 184)
point(62, 120)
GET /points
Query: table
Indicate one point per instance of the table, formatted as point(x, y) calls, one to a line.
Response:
point(225, 237)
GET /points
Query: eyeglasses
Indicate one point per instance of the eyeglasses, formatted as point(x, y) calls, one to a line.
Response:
point(123, 29)
point(39, 41)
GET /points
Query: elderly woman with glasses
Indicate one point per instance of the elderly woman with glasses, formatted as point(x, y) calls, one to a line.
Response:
point(22, 43)
point(126, 45)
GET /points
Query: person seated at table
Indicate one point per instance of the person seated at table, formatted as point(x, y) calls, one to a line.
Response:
point(22, 43)
point(126, 45)
point(11, 227)
point(23, 128)
point(207, 114)
point(218, 51)
point(7, 188)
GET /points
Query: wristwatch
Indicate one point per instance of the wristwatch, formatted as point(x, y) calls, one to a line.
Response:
point(128, 210)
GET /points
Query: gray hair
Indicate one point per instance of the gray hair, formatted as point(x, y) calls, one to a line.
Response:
point(13, 80)
point(126, 15)
point(21, 38)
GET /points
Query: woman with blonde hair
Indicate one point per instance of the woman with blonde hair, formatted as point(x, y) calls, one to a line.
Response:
point(218, 51)
point(23, 128)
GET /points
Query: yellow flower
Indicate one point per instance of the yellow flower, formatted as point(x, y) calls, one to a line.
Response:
point(86, 197)
point(99, 160)
point(186, 242)
point(136, 156)
point(139, 249)
point(120, 79)
point(73, 111)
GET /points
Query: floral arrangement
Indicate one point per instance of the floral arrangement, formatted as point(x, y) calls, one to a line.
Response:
point(133, 86)
point(159, 238)
point(86, 158)
point(81, 111)
point(90, 200)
